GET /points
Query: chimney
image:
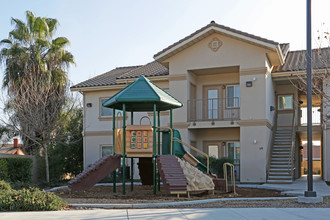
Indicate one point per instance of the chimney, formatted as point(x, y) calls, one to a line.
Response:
point(15, 142)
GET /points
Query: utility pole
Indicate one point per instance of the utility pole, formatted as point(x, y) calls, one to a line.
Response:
point(309, 192)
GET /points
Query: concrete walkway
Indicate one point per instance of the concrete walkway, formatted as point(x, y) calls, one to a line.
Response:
point(168, 214)
point(297, 188)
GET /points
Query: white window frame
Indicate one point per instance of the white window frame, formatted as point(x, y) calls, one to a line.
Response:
point(278, 102)
point(101, 100)
point(101, 149)
point(235, 96)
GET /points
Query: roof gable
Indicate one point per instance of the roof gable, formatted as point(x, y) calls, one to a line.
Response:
point(217, 28)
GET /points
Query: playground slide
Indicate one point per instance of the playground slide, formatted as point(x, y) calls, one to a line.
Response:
point(95, 173)
point(180, 151)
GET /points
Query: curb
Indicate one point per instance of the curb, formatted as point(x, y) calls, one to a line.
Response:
point(159, 205)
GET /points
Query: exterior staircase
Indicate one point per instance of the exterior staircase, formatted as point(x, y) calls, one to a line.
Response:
point(280, 170)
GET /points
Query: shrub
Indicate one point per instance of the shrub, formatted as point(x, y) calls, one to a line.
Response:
point(16, 169)
point(216, 165)
point(31, 199)
point(3, 170)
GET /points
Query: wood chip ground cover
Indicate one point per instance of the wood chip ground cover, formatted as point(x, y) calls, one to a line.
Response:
point(144, 194)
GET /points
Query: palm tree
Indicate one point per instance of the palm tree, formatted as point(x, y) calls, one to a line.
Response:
point(36, 78)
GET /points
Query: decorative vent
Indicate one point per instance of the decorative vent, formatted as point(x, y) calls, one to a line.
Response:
point(215, 44)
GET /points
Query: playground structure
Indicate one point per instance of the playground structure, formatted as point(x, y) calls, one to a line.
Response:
point(144, 141)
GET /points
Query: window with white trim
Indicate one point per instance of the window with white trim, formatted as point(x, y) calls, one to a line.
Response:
point(285, 102)
point(106, 150)
point(104, 111)
point(232, 96)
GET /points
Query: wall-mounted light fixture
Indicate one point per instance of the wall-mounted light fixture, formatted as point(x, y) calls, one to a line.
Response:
point(248, 84)
point(272, 108)
point(254, 141)
point(89, 105)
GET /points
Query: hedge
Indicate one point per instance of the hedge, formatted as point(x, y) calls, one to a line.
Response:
point(31, 199)
point(216, 165)
point(16, 169)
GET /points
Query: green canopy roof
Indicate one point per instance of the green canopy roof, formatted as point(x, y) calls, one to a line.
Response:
point(141, 95)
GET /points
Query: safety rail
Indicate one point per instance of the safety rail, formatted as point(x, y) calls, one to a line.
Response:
point(232, 174)
point(217, 109)
point(198, 151)
point(187, 145)
point(293, 142)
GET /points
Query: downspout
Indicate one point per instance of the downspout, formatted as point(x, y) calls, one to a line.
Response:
point(84, 129)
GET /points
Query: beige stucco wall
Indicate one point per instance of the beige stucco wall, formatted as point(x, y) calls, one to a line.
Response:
point(254, 155)
point(214, 134)
point(232, 53)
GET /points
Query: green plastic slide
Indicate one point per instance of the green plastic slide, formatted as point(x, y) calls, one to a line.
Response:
point(178, 149)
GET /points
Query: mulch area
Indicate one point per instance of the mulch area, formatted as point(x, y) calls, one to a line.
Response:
point(144, 194)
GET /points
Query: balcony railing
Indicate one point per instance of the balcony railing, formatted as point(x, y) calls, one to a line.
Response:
point(224, 109)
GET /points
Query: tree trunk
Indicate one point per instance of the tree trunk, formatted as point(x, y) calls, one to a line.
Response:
point(47, 164)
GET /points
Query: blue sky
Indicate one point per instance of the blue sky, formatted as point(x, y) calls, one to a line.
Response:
point(105, 34)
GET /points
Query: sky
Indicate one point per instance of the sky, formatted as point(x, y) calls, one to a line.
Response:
point(106, 34)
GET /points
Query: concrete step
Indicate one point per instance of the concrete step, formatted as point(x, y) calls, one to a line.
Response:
point(279, 178)
point(279, 168)
point(280, 159)
point(279, 181)
point(282, 146)
point(279, 163)
point(280, 156)
point(279, 174)
point(282, 142)
point(283, 153)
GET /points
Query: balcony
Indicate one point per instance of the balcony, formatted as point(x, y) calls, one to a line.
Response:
point(222, 109)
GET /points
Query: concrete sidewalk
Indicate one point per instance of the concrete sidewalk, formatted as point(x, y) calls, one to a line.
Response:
point(168, 214)
point(297, 188)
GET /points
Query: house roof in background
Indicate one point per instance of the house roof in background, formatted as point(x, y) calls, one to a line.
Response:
point(11, 149)
point(296, 60)
point(151, 69)
point(105, 79)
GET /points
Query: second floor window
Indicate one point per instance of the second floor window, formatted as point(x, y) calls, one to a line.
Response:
point(104, 111)
point(232, 96)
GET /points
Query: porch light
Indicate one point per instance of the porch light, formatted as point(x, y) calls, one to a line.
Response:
point(89, 105)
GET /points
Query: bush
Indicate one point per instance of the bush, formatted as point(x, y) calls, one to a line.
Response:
point(31, 199)
point(15, 169)
point(216, 165)
point(3, 170)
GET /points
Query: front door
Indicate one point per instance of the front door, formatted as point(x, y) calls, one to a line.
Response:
point(211, 103)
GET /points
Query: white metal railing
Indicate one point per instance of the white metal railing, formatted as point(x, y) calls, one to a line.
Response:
point(316, 116)
point(220, 109)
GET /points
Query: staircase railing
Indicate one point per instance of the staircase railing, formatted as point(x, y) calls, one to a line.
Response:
point(271, 142)
point(293, 142)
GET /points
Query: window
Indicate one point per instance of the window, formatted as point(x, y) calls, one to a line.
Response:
point(105, 112)
point(106, 150)
point(233, 96)
point(285, 102)
point(213, 151)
